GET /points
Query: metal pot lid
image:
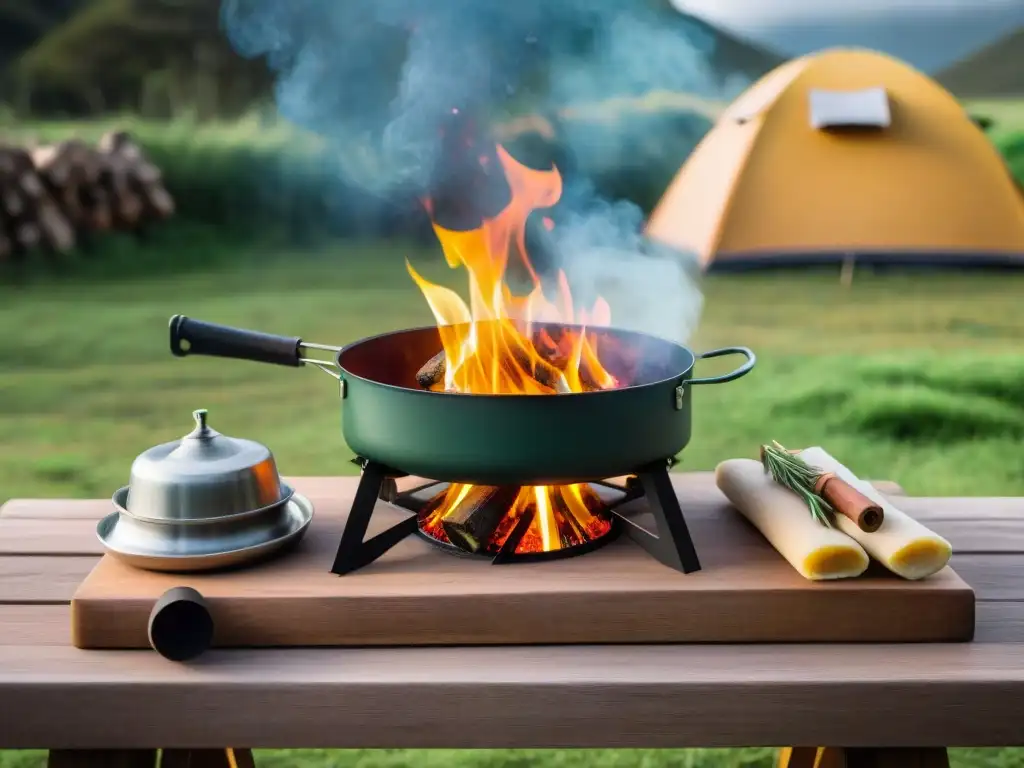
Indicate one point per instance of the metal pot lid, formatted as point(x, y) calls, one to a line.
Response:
point(204, 474)
point(202, 451)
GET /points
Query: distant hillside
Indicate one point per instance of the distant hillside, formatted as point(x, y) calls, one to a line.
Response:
point(24, 22)
point(736, 56)
point(115, 54)
point(83, 57)
point(930, 38)
point(995, 70)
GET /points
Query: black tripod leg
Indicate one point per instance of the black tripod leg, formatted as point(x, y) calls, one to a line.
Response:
point(671, 545)
point(353, 552)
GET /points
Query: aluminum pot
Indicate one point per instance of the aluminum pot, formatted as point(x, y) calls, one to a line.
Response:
point(204, 502)
point(198, 537)
point(487, 439)
point(203, 475)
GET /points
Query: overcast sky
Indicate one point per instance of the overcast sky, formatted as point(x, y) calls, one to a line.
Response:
point(751, 13)
point(929, 34)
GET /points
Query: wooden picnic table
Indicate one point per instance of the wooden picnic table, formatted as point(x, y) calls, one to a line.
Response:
point(95, 707)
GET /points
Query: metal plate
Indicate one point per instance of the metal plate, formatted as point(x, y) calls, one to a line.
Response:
point(168, 557)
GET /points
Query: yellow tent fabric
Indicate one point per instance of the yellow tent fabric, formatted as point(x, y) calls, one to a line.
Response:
point(765, 186)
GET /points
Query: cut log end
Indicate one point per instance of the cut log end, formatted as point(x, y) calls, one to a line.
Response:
point(473, 522)
point(55, 196)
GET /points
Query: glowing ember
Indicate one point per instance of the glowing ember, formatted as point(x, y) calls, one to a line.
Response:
point(496, 345)
point(560, 517)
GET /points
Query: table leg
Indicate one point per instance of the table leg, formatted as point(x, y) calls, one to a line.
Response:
point(101, 758)
point(810, 757)
point(207, 758)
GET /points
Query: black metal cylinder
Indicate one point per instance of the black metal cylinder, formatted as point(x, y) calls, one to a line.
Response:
point(180, 624)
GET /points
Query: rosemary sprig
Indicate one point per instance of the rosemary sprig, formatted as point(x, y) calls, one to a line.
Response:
point(797, 475)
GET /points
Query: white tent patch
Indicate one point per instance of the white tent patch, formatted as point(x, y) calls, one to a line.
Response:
point(868, 108)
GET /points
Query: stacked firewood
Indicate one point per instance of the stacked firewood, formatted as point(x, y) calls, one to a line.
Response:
point(57, 197)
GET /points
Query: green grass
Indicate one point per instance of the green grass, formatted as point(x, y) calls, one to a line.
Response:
point(534, 758)
point(917, 378)
point(906, 376)
point(1008, 115)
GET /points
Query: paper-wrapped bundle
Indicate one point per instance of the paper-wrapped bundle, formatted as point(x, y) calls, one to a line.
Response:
point(814, 550)
point(901, 544)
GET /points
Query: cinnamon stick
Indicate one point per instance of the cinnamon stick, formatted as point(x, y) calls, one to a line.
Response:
point(848, 501)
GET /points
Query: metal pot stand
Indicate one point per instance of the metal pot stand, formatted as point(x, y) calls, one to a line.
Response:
point(670, 543)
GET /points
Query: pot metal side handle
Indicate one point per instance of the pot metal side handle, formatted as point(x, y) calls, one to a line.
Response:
point(196, 337)
point(743, 370)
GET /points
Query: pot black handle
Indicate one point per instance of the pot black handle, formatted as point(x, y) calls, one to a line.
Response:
point(196, 337)
point(743, 370)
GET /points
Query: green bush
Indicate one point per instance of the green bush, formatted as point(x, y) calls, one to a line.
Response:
point(244, 175)
point(1012, 147)
point(916, 401)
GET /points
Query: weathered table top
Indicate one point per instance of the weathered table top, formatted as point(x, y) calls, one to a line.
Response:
point(55, 696)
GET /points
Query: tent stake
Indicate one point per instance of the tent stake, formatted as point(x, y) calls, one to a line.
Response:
point(846, 273)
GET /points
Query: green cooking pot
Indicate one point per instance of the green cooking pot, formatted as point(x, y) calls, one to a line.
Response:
point(490, 439)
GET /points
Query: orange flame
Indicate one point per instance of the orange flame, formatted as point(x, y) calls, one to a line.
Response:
point(494, 345)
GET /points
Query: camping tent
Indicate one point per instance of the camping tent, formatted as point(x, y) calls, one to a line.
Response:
point(838, 155)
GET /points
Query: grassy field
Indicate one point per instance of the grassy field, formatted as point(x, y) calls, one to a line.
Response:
point(1007, 114)
point(906, 376)
point(918, 378)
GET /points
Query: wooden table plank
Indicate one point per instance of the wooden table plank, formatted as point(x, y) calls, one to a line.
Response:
point(1004, 536)
point(27, 579)
point(29, 534)
point(53, 579)
point(48, 536)
point(315, 488)
point(85, 509)
point(992, 577)
point(40, 624)
point(933, 508)
point(935, 512)
point(695, 490)
point(74, 536)
point(579, 696)
point(35, 625)
point(999, 622)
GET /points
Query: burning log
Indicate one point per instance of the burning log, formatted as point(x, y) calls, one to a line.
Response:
point(432, 372)
point(431, 375)
point(473, 521)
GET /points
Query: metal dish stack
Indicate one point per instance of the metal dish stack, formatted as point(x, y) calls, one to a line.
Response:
point(204, 502)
